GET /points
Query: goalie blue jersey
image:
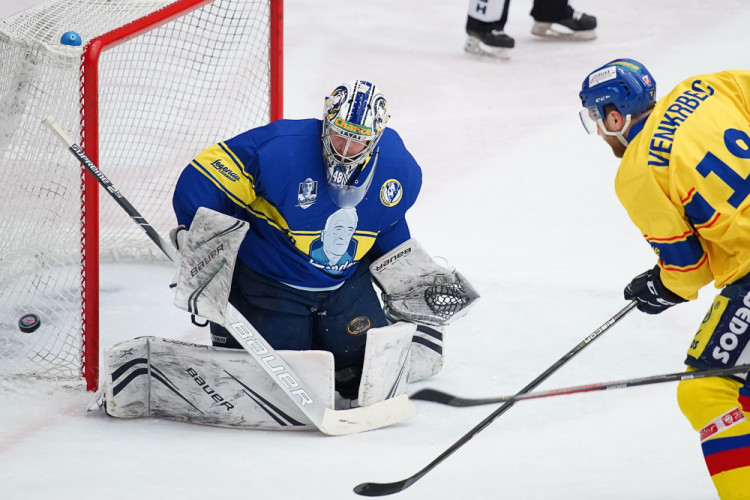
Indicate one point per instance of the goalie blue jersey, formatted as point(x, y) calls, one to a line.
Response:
point(274, 178)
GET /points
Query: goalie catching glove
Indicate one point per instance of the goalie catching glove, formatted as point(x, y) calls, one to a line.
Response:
point(417, 289)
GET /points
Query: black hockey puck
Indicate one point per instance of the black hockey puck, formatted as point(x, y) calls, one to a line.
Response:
point(29, 323)
point(358, 325)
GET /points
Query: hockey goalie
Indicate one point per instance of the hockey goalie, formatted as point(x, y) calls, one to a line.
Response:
point(291, 223)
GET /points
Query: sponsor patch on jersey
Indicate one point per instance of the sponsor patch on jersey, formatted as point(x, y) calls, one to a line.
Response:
point(604, 75)
point(224, 170)
point(722, 423)
point(391, 192)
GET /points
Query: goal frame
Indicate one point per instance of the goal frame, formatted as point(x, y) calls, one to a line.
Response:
point(89, 140)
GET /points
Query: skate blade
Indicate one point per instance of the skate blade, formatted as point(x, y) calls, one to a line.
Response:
point(554, 31)
point(475, 47)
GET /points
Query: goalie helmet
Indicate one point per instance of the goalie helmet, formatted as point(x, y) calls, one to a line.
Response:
point(354, 118)
point(625, 83)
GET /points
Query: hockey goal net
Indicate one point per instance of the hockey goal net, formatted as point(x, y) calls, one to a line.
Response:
point(153, 83)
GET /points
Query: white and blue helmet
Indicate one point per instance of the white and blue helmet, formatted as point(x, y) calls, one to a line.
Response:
point(356, 112)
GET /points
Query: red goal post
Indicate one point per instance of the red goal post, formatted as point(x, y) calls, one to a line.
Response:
point(154, 82)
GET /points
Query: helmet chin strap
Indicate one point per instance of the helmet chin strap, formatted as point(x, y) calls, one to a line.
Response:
point(616, 133)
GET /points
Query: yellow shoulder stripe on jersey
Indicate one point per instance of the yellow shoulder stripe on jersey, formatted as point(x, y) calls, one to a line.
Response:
point(224, 171)
point(236, 161)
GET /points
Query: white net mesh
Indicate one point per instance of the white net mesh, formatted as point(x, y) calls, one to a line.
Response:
point(164, 96)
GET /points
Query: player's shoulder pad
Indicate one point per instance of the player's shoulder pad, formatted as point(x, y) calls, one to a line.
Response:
point(282, 130)
point(393, 152)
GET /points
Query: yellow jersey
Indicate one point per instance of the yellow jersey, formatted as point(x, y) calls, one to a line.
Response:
point(685, 181)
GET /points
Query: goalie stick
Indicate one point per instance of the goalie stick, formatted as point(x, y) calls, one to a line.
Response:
point(328, 421)
point(436, 396)
point(382, 489)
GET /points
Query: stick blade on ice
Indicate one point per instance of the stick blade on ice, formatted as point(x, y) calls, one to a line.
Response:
point(383, 489)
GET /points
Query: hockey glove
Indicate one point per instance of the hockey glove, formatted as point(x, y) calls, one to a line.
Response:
point(652, 296)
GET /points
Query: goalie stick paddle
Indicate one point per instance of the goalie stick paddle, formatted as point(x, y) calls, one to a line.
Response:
point(328, 421)
point(436, 396)
point(382, 489)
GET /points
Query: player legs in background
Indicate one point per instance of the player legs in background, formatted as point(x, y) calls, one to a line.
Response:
point(485, 25)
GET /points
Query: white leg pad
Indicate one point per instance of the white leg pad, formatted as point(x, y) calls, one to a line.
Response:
point(155, 377)
point(426, 352)
point(385, 371)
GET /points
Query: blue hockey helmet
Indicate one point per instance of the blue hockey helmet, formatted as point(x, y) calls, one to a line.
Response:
point(625, 83)
point(354, 118)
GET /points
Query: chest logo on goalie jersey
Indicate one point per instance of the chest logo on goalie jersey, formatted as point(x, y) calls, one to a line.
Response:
point(335, 249)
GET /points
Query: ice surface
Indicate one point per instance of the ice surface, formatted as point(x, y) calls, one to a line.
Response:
point(520, 200)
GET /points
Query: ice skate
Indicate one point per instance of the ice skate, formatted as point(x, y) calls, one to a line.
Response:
point(578, 26)
point(493, 43)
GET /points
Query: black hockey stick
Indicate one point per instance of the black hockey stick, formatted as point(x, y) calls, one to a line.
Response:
point(328, 421)
point(382, 489)
point(436, 396)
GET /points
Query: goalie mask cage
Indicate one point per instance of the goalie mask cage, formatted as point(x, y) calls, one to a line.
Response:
point(153, 83)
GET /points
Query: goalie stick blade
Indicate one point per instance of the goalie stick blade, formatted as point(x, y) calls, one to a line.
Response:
point(367, 418)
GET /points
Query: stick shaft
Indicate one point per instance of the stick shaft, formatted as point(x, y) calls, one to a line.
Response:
point(437, 396)
point(381, 489)
point(84, 160)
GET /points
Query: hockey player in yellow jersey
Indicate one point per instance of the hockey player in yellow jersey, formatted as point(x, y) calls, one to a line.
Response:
point(684, 179)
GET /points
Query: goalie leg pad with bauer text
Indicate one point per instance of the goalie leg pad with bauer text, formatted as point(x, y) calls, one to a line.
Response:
point(209, 252)
point(417, 289)
point(156, 377)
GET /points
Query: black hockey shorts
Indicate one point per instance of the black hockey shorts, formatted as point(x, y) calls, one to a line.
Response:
point(291, 319)
point(722, 339)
